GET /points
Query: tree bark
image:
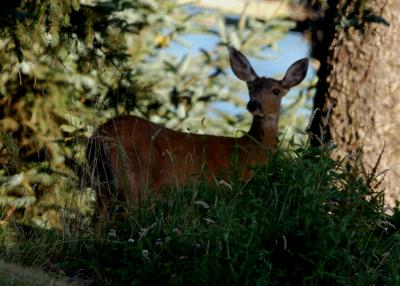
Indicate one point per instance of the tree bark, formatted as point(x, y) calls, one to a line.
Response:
point(359, 89)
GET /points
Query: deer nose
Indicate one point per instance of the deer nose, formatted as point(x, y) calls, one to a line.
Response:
point(253, 105)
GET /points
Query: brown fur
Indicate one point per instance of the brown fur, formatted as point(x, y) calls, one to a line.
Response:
point(129, 155)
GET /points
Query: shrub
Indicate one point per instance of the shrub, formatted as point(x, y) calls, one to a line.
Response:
point(303, 219)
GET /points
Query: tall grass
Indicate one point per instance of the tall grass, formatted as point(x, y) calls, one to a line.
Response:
point(15, 275)
point(304, 219)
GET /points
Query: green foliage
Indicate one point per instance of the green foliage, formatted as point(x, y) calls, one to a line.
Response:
point(303, 219)
point(66, 67)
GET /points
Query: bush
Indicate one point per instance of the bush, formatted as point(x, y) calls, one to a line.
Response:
point(303, 219)
point(67, 67)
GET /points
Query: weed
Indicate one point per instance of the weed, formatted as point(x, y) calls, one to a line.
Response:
point(303, 219)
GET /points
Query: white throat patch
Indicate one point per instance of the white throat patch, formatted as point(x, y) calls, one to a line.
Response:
point(270, 121)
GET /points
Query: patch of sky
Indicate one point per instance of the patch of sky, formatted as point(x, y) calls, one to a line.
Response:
point(291, 48)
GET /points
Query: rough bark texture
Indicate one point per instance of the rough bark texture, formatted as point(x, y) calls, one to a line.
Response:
point(362, 91)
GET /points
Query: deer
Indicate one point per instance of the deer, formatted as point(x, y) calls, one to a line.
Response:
point(129, 156)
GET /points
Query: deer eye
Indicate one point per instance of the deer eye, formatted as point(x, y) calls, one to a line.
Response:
point(276, 91)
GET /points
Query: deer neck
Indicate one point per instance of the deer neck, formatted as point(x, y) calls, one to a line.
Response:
point(265, 130)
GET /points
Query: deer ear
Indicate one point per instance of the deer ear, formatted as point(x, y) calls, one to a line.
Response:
point(295, 73)
point(241, 66)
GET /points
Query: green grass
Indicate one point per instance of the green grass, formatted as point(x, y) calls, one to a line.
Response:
point(304, 219)
point(15, 275)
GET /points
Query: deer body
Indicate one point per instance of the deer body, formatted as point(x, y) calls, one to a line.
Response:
point(129, 154)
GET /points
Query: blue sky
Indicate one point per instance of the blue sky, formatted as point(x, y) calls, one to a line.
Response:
point(290, 49)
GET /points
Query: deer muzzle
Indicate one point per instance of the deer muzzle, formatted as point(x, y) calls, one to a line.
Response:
point(255, 108)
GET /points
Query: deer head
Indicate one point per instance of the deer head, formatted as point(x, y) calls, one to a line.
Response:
point(266, 93)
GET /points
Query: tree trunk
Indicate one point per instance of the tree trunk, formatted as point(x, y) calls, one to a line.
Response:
point(359, 88)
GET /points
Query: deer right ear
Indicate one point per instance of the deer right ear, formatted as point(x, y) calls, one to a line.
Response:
point(295, 73)
point(241, 66)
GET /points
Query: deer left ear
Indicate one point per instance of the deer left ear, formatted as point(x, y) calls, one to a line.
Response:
point(241, 66)
point(295, 73)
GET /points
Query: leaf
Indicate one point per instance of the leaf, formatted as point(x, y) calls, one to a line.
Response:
point(371, 18)
point(234, 39)
point(184, 65)
point(9, 124)
point(75, 5)
point(204, 205)
point(222, 30)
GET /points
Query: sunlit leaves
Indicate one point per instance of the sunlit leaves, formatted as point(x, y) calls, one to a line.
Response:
point(68, 66)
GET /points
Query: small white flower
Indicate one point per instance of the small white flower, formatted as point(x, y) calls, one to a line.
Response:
point(26, 67)
point(131, 240)
point(176, 230)
point(142, 233)
point(112, 233)
point(146, 254)
point(196, 244)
